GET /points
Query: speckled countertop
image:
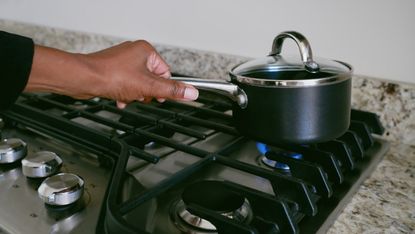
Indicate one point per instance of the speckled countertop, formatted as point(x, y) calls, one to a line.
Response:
point(385, 203)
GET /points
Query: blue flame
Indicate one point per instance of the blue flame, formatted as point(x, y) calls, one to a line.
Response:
point(263, 149)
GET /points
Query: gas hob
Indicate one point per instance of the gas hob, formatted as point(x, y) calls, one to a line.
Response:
point(71, 166)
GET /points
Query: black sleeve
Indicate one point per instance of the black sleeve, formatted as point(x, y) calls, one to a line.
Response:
point(16, 56)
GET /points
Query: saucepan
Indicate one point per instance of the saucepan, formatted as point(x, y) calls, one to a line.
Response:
point(282, 99)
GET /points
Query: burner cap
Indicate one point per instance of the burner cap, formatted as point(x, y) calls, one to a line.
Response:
point(12, 150)
point(213, 195)
point(41, 164)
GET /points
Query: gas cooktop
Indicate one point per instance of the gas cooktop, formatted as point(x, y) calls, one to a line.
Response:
point(84, 166)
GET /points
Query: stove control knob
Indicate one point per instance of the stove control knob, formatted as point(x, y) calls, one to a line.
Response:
point(41, 164)
point(12, 150)
point(61, 189)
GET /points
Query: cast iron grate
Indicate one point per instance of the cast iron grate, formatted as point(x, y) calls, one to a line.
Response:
point(326, 174)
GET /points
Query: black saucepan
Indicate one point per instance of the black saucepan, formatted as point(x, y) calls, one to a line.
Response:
point(281, 99)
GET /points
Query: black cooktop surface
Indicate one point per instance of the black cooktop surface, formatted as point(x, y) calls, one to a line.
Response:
point(183, 168)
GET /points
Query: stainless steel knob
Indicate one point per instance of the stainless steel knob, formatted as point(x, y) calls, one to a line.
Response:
point(61, 189)
point(41, 164)
point(12, 150)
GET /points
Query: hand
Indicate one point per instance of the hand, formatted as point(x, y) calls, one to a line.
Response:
point(126, 72)
point(135, 71)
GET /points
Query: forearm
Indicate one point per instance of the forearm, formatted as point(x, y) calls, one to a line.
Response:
point(61, 72)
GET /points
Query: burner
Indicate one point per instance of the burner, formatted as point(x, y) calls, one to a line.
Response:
point(263, 149)
point(215, 196)
point(12, 150)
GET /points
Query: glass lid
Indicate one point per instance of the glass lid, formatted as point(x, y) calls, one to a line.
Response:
point(289, 68)
point(278, 70)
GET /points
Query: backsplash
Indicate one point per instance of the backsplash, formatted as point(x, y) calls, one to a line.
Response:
point(394, 102)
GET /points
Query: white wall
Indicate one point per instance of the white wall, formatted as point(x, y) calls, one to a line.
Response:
point(376, 36)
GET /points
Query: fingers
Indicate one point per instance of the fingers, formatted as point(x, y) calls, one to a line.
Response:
point(121, 105)
point(157, 65)
point(170, 89)
point(157, 82)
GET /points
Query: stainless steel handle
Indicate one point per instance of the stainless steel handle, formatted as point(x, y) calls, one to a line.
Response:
point(303, 45)
point(230, 90)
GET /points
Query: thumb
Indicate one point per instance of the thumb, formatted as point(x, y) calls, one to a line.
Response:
point(170, 89)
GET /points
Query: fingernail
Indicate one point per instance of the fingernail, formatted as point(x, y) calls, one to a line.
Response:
point(191, 93)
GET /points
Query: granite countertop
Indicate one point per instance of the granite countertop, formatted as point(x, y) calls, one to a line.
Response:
point(385, 203)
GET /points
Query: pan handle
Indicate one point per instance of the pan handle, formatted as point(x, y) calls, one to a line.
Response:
point(228, 89)
point(303, 45)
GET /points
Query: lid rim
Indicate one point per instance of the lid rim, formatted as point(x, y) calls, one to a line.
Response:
point(342, 75)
